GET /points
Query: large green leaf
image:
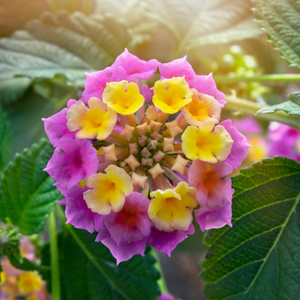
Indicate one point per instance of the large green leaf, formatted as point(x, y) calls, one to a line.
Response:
point(280, 19)
point(88, 271)
point(5, 140)
point(14, 14)
point(197, 23)
point(258, 258)
point(63, 43)
point(291, 107)
point(27, 194)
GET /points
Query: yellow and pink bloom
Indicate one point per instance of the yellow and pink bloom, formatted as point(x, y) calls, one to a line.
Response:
point(132, 170)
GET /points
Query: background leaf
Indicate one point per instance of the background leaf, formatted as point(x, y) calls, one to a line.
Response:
point(291, 107)
point(63, 43)
point(15, 14)
point(258, 258)
point(88, 270)
point(196, 23)
point(280, 19)
point(27, 194)
point(5, 140)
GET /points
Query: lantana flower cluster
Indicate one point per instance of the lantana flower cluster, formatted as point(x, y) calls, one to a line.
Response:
point(19, 284)
point(135, 161)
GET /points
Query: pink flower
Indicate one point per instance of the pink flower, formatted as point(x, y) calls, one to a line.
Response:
point(77, 212)
point(124, 251)
point(212, 190)
point(72, 161)
point(56, 125)
point(124, 232)
point(167, 241)
point(209, 218)
point(135, 67)
point(284, 141)
point(240, 146)
point(96, 81)
point(177, 68)
point(204, 84)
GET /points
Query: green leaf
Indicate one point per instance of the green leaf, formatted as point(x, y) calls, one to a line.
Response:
point(26, 264)
point(89, 272)
point(63, 43)
point(136, 15)
point(196, 23)
point(11, 89)
point(27, 194)
point(295, 98)
point(258, 258)
point(5, 140)
point(280, 19)
point(291, 107)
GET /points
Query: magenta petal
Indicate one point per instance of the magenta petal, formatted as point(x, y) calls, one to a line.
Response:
point(122, 252)
point(135, 67)
point(96, 81)
point(209, 218)
point(212, 190)
point(284, 141)
point(205, 84)
point(132, 222)
point(78, 161)
point(167, 241)
point(248, 125)
point(77, 212)
point(177, 68)
point(56, 127)
point(240, 147)
point(147, 92)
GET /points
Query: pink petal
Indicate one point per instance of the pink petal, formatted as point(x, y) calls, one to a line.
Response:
point(209, 218)
point(135, 67)
point(239, 150)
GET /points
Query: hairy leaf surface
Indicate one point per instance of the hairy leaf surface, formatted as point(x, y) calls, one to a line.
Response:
point(291, 107)
point(63, 43)
point(280, 19)
point(258, 258)
point(27, 194)
point(197, 23)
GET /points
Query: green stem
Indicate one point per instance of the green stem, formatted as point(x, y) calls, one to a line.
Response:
point(250, 108)
point(54, 258)
point(161, 282)
point(258, 78)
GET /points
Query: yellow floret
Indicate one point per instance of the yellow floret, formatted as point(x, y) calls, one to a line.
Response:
point(202, 109)
point(123, 97)
point(206, 145)
point(171, 210)
point(109, 190)
point(93, 122)
point(171, 94)
point(29, 282)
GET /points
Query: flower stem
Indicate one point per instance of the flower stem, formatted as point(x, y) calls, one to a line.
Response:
point(55, 277)
point(250, 108)
point(258, 78)
point(161, 282)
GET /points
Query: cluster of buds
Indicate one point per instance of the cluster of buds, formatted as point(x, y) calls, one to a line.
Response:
point(135, 161)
